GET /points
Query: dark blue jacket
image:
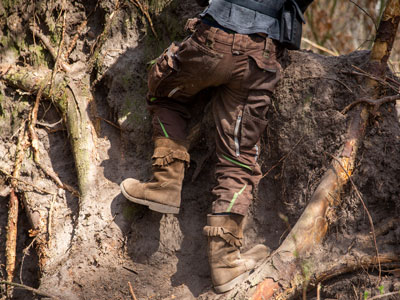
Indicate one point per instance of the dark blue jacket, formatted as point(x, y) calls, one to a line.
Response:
point(266, 16)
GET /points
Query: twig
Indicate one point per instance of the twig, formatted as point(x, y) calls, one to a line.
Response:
point(366, 210)
point(28, 288)
point(283, 157)
point(109, 122)
point(25, 252)
point(319, 291)
point(131, 290)
point(49, 125)
point(364, 11)
point(60, 45)
point(384, 295)
point(32, 121)
point(130, 270)
point(375, 103)
point(26, 182)
point(319, 47)
point(50, 220)
point(382, 81)
point(74, 40)
point(145, 11)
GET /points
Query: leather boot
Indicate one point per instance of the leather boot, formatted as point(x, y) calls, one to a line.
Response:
point(163, 192)
point(228, 266)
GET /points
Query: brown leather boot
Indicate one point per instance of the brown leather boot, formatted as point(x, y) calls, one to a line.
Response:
point(163, 192)
point(228, 266)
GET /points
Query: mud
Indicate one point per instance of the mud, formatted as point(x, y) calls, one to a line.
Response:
point(164, 256)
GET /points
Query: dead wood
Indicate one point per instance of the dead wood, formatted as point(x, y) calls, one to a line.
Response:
point(286, 271)
point(11, 243)
point(11, 237)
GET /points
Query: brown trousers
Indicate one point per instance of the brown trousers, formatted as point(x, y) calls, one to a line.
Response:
point(245, 71)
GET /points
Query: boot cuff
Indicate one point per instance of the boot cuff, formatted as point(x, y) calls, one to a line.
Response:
point(164, 156)
point(223, 233)
point(170, 143)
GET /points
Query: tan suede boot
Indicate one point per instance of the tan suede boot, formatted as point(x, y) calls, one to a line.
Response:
point(228, 266)
point(163, 192)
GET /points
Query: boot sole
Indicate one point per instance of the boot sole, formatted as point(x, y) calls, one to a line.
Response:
point(158, 207)
point(231, 284)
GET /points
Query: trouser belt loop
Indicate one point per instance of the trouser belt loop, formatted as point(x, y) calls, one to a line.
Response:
point(268, 47)
point(211, 37)
point(236, 44)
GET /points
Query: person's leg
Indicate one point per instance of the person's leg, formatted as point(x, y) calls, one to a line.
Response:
point(240, 110)
point(179, 73)
point(240, 116)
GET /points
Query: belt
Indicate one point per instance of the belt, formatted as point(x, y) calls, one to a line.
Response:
point(229, 42)
point(209, 20)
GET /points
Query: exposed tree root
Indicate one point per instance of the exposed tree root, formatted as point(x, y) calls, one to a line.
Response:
point(11, 243)
point(352, 263)
point(74, 108)
point(374, 103)
point(385, 295)
point(11, 237)
point(36, 31)
point(36, 188)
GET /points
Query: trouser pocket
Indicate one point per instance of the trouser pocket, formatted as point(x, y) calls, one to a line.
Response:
point(251, 130)
point(165, 65)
